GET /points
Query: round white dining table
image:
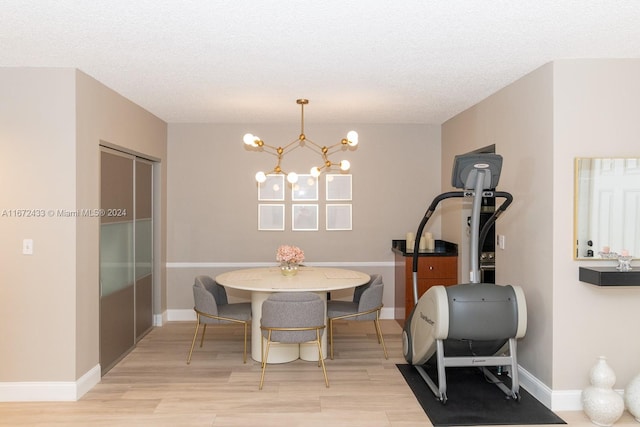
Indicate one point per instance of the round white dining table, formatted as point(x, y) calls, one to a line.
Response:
point(262, 282)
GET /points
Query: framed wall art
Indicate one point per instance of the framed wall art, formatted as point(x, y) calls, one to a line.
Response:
point(305, 189)
point(338, 187)
point(338, 217)
point(272, 189)
point(271, 217)
point(304, 217)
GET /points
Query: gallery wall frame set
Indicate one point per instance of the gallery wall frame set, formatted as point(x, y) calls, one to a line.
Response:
point(305, 216)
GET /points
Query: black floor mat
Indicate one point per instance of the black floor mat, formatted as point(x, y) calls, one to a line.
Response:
point(472, 400)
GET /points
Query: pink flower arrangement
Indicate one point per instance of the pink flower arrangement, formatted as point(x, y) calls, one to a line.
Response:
point(290, 254)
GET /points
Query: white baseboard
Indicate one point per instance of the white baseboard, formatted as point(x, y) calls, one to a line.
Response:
point(387, 313)
point(556, 400)
point(160, 319)
point(571, 400)
point(181, 315)
point(53, 391)
point(535, 387)
point(566, 400)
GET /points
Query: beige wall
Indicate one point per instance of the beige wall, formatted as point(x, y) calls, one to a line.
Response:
point(596, 108)
point(539, 124)
point(38, 170)
point(105, 117)
point(213, 198)
point(50, 133)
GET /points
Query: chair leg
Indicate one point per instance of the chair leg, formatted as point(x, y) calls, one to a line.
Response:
point(379, 333)
point(265, 356)
point(331, 338)
point(204, 329)
point(193, 342)
point(324, 370)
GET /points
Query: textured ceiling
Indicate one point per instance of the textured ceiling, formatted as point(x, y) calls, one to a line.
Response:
point(368, 61)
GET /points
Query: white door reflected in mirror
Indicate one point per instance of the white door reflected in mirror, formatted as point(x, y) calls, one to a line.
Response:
point(607, 207)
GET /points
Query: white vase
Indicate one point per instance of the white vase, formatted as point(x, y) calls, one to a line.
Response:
point(632, 397)
point(603, 405)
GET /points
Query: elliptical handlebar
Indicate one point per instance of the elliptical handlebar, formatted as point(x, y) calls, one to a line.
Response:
point(425, 218)
point(483, 234)
point(428, 214)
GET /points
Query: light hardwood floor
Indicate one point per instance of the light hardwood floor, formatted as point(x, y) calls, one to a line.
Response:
point(153, 386)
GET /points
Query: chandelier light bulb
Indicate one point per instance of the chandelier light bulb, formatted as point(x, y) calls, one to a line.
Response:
point(292, 177)
point(352, 137)
point(345, 165)
point(249, 139)
point(315, 171)
point(261, 177)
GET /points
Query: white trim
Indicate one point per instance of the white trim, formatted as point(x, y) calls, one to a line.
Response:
point(88, 381)
point(387, 313)
point(270, 264)
point(535, 387)
point(53, 391)
point(181, 315)
point(570, 400)
point(566, 400)
point(556, 400)
point(160, 319)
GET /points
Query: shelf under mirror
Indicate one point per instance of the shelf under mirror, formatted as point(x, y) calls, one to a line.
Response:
point(609, 276)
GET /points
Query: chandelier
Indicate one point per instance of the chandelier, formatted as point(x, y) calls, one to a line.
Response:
point(302, 141)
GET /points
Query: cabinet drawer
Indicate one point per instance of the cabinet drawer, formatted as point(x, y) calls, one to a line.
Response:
point(434, 267)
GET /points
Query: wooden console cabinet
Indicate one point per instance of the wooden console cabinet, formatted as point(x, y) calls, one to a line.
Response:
point(438, 267)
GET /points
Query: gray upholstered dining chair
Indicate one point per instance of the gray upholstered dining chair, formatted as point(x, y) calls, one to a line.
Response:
point(212, 308)
point(366, 305)
point(292, 317)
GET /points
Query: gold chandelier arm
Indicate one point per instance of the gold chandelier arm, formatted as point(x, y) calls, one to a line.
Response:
point(324, 151)
point(314, 144)
point(264, 145)
point(273, 153)
point(334, 148)
point(270, 149)
point(295, 141)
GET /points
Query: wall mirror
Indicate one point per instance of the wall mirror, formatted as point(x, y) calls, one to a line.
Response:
point(607, 207)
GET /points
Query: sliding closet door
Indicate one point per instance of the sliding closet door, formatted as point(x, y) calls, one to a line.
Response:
point(117, 322)
point(143, 240)
point(126, 248)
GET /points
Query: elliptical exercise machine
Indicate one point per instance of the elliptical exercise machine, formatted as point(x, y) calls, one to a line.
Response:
point(470, 324)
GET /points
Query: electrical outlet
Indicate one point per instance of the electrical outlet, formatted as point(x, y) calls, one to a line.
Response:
point(27, 247)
